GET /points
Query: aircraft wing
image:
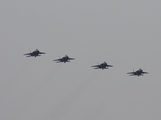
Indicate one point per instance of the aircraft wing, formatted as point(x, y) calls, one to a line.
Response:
point(95, 66)
point(109, 66)
point(145, 72)
point(42, 53)
point(27, 54)
point(57, 60)
point(130, 73)
point(71, 58)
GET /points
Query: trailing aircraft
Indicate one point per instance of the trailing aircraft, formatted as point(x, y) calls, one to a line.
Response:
point(64, 59)
point(102, 66)
point(34, 53)
point(139, 72)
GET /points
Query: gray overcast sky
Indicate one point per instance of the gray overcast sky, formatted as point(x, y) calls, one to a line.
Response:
point(125, 34)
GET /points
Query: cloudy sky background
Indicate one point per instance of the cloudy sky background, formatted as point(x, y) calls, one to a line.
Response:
point(125, 34)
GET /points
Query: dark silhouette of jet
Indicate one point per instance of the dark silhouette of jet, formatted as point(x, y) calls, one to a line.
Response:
point(64, 59)
point(139, 72)
point(102, 66)
point(34, 53)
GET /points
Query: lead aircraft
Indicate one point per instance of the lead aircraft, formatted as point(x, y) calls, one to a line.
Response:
point(34, 53)
point(139, 72)
point(102, 66)
point(64, 59)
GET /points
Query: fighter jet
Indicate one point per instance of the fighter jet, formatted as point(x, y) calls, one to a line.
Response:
point(34, 53)
point(64, 59)
point(102, 66)
point(139, 72)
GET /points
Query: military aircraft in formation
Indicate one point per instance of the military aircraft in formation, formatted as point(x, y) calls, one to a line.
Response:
point(34, 53)
point(102, 66)
point(64, 59)
point(139, 72)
